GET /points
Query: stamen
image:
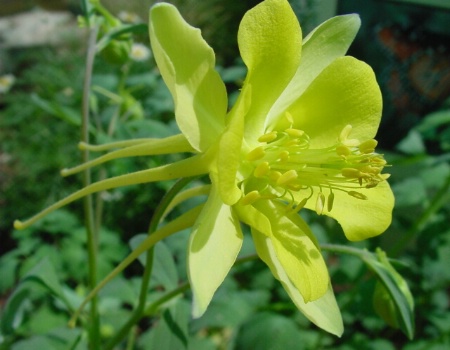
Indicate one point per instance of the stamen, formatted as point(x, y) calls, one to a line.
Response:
point(274, 175)
point(345, 133)
point(368, 146)
point(357, 195)
point(287, 166)
point(250, 198)
point(330, 201)
point(256, 154)
point(261, 170)
point(294, 132)
point(287, 177)
point(289, 118)
point(300, 205)
point(284, 156)
point(351, 173)
point(320, 203)
point(269, 137)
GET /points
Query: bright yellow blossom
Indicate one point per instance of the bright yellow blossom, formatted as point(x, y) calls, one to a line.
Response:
point(299, 136)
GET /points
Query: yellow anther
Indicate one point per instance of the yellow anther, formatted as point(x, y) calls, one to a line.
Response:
point(274, 175)
point(256, 154)
point(300, 205)
point(289, 118)
point(261, 170)
point(294, 187)
point(330, 201)
point(357, 195)
point(287, 177)
point(345, 133)
point(368, 146)
point(294, 132)
point(351, 173)
point(320, 203)
point(290, 143)
point(250, 198)
point(373, 170)
point(372, 184)
point(283, 156)
point(269, 137)
point(351, 142)
point(342, 150)
point(378, 161)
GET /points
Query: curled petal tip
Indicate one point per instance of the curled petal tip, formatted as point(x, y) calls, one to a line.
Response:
point(18, 225)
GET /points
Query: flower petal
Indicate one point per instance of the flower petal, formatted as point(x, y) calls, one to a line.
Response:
point(252, 217)
point(270, 44)
point(323, 312)
point(361, 219)
point(186, 63)
point(346, 92)
point(214, 244)
point(322, 46)
point(229, 154)
point(299, 256)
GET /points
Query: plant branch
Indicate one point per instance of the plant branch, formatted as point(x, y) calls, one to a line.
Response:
point(94, 329)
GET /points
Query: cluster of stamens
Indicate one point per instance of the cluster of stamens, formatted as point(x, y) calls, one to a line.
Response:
point(284, 164)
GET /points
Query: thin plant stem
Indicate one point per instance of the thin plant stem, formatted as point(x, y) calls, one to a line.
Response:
point(153, 307)
point(139, 310)
point(92, 239)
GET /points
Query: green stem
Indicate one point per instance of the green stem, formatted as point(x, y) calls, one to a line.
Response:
point(438, 201)
point(153, 307)
point(139, 310)
point(337, 248)
point(94, 328)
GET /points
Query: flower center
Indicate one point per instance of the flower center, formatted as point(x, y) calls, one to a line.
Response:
point(284, 166)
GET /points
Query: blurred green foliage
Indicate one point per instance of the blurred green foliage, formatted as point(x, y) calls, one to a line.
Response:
point(43, 269)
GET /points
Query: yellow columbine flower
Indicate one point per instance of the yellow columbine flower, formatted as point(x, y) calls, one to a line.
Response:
point(299, 136)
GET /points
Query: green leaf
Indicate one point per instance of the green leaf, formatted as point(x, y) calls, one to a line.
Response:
point(45, 274)
point(230, 308)
point(67, 114)
point(412, 144)
point(164, 271)
point(396, 287)
point(13, 311)
point(171, 330)
point(34, 342)
point(267, 331)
